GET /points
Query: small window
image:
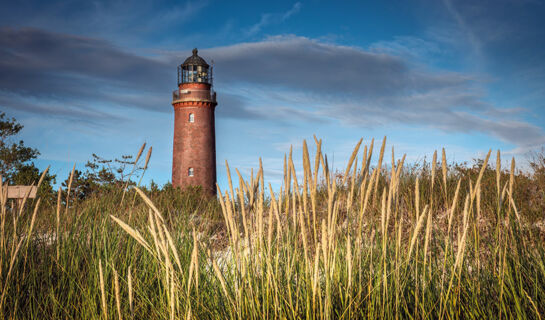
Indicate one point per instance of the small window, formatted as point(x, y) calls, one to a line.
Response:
point(191, 117)
point(190, 172)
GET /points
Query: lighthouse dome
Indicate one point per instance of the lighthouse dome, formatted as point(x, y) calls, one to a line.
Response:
point(195, 60)
point(194, 69)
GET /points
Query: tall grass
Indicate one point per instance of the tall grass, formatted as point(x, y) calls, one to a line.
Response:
point(372, 242)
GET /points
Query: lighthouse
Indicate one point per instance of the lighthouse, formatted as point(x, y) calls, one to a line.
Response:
point(194, 149)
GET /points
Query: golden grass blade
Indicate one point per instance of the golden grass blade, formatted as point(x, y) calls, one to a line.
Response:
point(221, 280)
point(498, 174)
point(503, 193)
point(349, 262)
point(364, 167)
point(351, 161)
point(371, 146)
point(69, 188)
point(223, 203)
point(117, 294)
point(131, 298)
point(304, 239)
point(42, 176)
point(453, 206)
point(230, 184)
point(417, 229)
point(306, 165)
point(148, 156)
point(192, 263)
point(149, 203)
point(383, 214)
point(195, 260)
point(2, 190)
point(173, 248)
point(139, 153)
point(317, 161)
point(481, 173)
point(514, 206)
point(379, 166)
point(243, 208)
point(325, 170)
point(289, 177)
point(134, 167)
point(133, 233)
point(512, 175)
point(286, 182)
point(102, 291)
point(270, 220)
point(10, 269)
point(427, 240)
point(162, 239)
point(23, 203)
point(231, 219)
point(315, 139)
point(58, 223)
point(444, 169)
point(433, 167)
point(315, 275)
point(353, 182)
point(366, 200)
point(417, 197)
point(462, 240)
point(276, 212)
point(536, 310)
point(33, 220)
point(393, 162)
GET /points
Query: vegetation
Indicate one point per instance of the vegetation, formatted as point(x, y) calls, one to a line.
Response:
point(100, 175)
point(104, 175)
point(16, 165)
point(427, 241)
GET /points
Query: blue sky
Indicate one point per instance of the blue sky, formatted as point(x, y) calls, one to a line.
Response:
point(89, 77)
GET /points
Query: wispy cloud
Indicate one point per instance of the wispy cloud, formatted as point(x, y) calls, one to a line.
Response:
point(274, 18)
point(471, 37)
point(56, 109)
point(366, 88)
point(286, 79)
point(295, 9)
point(126, 22)
point(408, 46)
point(40, 69)
point(238, 107)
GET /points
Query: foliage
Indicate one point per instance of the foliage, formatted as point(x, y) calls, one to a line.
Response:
point(103, 175)
point(430, 240)
point(16, 154)
point(15, 159)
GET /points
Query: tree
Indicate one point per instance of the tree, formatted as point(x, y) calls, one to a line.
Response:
point(16, 165)
point(13, 155)
point(102, 175)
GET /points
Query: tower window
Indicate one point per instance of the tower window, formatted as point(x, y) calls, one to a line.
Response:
point(190, 172)
point(191, 117)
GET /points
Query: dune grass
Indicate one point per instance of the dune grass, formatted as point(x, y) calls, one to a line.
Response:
point(370, 242)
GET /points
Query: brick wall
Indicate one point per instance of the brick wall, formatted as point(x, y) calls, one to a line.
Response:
point(194, 143)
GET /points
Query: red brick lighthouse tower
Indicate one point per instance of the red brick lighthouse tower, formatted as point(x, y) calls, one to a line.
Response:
point(194, 152)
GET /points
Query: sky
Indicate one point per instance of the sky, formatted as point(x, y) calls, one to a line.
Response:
point(88, 77)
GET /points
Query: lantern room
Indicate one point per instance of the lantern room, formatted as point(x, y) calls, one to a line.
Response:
point(194, 70)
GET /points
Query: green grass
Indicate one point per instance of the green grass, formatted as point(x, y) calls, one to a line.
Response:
point(428, 241)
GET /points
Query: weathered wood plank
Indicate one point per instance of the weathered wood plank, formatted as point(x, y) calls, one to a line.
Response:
point(19, 192)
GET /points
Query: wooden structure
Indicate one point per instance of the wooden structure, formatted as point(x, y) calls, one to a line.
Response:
point(20, 192)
